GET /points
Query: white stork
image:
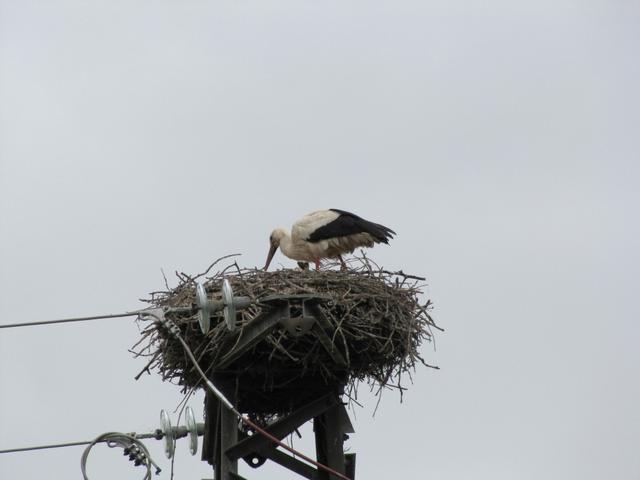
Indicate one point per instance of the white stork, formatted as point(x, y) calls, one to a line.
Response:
point(326, 234)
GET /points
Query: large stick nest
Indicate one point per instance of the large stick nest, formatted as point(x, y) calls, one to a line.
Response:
point(377, 322)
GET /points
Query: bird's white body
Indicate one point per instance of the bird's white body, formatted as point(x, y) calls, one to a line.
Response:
point(326, 234)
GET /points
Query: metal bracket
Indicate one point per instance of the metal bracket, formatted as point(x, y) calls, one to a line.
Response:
point(298, 326)
point(279, 313)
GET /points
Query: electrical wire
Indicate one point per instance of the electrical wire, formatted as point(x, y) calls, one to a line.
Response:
point(158, 434)
point(42, 447)
point(75, 319)
point(173, 329)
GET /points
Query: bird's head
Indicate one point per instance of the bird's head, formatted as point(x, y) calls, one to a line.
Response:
point(274, 242)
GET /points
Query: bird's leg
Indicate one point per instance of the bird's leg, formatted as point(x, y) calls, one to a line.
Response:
point(317, 265)
point(343, 266)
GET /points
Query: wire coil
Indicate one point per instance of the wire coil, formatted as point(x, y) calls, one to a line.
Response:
point(132, 446)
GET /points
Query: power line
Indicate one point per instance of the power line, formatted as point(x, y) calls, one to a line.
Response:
point(42, 447)
point(157, 435)
point(68, 320)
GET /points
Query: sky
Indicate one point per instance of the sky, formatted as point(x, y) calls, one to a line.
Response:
point(499, 139)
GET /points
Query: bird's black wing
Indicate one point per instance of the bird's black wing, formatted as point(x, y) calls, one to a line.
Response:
point(350, 224)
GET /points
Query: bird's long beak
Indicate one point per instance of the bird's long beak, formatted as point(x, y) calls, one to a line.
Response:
point(272, 252)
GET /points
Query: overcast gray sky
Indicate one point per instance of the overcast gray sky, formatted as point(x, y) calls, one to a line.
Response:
point(500, 139)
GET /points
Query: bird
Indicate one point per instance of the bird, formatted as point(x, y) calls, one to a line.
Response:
point(326, 234)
